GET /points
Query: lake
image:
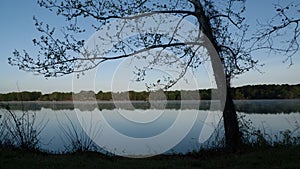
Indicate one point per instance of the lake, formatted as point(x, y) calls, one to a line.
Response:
point(144, 128)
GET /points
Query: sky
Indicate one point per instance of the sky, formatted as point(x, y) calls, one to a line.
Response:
point(17, 31)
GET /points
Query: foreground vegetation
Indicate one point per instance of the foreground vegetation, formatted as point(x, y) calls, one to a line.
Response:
point(239, 93)
point(276, 157)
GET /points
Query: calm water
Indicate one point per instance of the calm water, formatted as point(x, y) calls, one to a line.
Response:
point(190, 128)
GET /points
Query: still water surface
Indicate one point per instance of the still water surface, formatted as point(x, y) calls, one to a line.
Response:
point(140, 120)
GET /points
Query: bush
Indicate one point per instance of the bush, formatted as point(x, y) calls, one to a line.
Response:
point(76, 139)
point(20, 130)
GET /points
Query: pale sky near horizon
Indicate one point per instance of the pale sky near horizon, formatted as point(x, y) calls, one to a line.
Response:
point(17, 31)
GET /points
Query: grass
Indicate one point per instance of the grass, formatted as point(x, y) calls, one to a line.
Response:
point(271, 158)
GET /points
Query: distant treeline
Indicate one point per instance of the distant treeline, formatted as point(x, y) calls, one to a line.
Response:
point(249, 92)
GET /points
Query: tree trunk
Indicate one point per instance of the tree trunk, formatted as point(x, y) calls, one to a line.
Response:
point(231, 126)
point(232, 133)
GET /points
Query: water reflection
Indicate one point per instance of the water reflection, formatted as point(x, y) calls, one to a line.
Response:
point(247, 106)
point(268, 106)
point(272, 116)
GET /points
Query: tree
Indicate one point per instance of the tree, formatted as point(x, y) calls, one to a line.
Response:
point(222, 23)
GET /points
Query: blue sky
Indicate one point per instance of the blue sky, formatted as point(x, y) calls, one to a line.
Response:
point(17, 31)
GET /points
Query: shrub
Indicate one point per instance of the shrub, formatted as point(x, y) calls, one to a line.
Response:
point(20, 129)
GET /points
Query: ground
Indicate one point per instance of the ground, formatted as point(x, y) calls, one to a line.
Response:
point(271, 158)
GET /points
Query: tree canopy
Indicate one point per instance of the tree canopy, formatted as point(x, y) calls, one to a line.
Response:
point(64, 55)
